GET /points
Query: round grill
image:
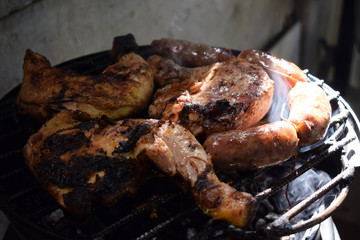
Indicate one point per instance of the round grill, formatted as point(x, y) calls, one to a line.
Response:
point(162, 211)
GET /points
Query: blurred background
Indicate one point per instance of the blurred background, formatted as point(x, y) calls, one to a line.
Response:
point(319, 35)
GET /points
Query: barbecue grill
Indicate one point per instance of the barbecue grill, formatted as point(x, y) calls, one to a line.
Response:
point(160, 210)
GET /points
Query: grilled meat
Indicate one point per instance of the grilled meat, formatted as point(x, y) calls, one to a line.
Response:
point(80, 163)
point(166, 71)
point(123, 88)
point(252, 148)
point(189, 54)
point(225, 95)
point(310, 111)
point(274, 65)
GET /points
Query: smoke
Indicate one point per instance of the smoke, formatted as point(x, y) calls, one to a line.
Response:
point(302, 187)
point(281, 91)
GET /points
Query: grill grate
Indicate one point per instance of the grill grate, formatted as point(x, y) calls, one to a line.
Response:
point(160, 210)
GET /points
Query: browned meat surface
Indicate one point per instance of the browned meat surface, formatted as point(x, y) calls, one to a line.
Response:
point(189, 54)
point(166, 71)
point(177, 152)
point(124, 88)
point(253, 148)
point(81, 163)
point(310, 111)
point(227, 95)
point(269, 144)
point(274, 65)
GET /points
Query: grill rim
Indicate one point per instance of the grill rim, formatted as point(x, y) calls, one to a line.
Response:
point(146, 52)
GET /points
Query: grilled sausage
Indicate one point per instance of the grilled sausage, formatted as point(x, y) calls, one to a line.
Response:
point(274, 65)
point(252, 148)
point(310, 111)
point(189, 54)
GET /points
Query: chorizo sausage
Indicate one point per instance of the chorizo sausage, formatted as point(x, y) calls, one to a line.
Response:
point(309, 110)
point(274, 65)
point(189, 54)
point(252, 148)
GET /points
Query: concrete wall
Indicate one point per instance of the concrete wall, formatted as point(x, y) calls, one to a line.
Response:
point(62, 30)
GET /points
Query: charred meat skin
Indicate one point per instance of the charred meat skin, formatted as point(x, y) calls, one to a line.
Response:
point(100, 161)
point(123, 88)
point(225, 96)
point(81, 163)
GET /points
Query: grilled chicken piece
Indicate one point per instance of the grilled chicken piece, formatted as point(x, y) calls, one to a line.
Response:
point(124, 88)
point(177, 152)
point(80, 163)
point(223, 96)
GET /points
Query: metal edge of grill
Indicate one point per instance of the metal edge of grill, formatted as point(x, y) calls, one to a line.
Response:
point(343, 122)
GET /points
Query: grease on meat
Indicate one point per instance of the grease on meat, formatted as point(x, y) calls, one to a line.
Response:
point(227, 95)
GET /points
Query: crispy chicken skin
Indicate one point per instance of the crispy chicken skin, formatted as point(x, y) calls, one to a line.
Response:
point(80, 163)
point(124, 88)
point(215, 98)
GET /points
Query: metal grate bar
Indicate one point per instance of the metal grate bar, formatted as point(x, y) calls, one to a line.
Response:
point(21, 193)
point(158, 228)
point(282, 224)
point(10, 153)
point(305, 167)
point(156, 201)
point(12, 173)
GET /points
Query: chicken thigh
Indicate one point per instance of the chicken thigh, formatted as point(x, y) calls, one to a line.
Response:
point(215, 98)
point(123, 88)
point(81, 163)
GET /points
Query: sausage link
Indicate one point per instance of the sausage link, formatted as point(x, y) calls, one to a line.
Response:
point(189, 54)
point(252, 148)
point(310, 111)
point(274, 65)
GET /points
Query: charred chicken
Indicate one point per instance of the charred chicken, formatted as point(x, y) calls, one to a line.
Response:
point(215, 98)
point(123, 88)
point(80, 163)
point(202, 100)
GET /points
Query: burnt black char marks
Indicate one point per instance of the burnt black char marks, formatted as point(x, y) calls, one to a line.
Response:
point(215, 114)
point(59, 144)
point(68, 162)
point(76, 172)
point(207, 190)
point(132, 133)
point(118, 180)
